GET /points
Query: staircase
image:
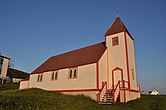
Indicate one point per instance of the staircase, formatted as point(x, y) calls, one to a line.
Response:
point(108, 97)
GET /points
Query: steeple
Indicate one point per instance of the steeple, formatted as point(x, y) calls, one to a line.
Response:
point(117, 27)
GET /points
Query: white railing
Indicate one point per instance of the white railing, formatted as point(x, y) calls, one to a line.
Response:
point(123, 84)
point(103, 91)
point(116, 92)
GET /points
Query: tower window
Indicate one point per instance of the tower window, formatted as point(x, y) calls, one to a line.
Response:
point(115, 41)
point(132, 72)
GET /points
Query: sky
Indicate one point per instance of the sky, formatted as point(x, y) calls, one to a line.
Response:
point(31, 31)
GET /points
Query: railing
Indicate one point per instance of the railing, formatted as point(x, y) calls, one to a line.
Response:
point(123, 84)
point(116, 92)
point(120, 85)
point(102, 91)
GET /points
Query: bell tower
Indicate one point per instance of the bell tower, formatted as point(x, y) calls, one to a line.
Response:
point(121, 58)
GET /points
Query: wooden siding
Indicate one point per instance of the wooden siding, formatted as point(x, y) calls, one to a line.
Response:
point(24, 84)
point(86, 79)
point(133, 82)
point(116, 55)
point(4, 67)
point(103, 69)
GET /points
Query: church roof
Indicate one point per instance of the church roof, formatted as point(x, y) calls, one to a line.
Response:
point(86, 55)
point(117, 27)
point(4, 57)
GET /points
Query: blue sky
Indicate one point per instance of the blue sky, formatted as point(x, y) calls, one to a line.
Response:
point(31, 31)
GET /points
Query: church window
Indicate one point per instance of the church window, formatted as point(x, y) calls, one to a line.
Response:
point(40, 76)
point(70, 73)
point(132, 72)
point(54, 75)
point(115, 41)
point(73, 73)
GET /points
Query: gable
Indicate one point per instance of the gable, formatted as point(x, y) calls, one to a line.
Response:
point(86, 55)
point(117, 27)
point(154, 91)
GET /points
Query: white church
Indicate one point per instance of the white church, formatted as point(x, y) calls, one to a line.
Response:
point(105, 71)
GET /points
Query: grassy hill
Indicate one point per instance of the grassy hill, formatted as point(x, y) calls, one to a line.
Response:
point(37, 99)
point(8, 86)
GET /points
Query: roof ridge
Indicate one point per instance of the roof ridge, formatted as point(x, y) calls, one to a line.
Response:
point(79, 49)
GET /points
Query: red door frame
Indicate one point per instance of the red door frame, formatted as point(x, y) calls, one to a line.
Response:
point(117, 68)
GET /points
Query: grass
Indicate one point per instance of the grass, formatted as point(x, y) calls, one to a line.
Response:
point(8, 86)
point(37, 99)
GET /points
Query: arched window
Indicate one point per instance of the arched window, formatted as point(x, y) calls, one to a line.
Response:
point(132, 72)
point(52, 78)
point(39, 78)
point(54, 75)
point(75, 73)
point(72, 73)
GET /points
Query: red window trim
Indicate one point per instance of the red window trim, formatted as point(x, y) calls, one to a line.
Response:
point(113, 41)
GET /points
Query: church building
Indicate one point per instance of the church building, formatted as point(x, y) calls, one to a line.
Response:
point(106, 71)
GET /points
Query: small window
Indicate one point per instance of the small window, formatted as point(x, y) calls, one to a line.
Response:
point(54, 75)
point(40, 76)
point(73, 73)
point(70, 73)
point(115, 41)
point(52, 78)
point(132, 72)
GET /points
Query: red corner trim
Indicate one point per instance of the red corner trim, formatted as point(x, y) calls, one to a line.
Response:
point(124, 96)
point(127, 62)
point(97, 75)
point(117, 68)
point(108, 70)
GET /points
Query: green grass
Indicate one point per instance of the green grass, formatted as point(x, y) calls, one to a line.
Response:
point(37, 99)
point(8, 86)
